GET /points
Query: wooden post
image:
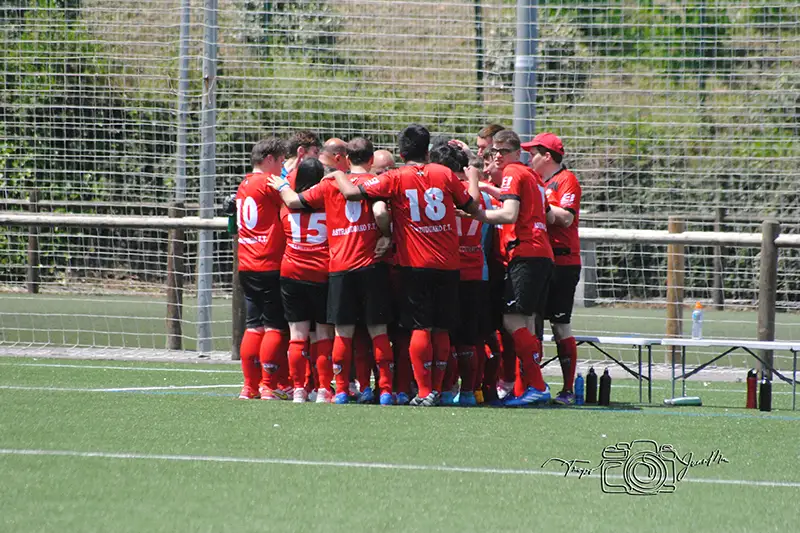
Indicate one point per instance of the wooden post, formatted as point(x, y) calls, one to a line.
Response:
point(32, 270)
point(767, 290)
point(718, 294)
point(239, 314)
point(675, 282)
point(175, 273)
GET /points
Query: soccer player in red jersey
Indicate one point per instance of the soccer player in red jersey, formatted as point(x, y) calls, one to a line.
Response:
point(304, 285)
point(359, 280)
point(529, 261)
point(383, 161)
point(564, 196)
point(334, 155)
point(301, 144)
point(261, 245)
point(474, 240)
point(424, 199)
point(486, 137)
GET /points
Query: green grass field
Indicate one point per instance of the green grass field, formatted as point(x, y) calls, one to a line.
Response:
point(120, 446)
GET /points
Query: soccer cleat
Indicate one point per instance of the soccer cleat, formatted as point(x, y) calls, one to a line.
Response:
point(248, 393)
point(431, 400)
point(387, 398)
point(354, 389)
point(479, 396)
point(447, 398)
point(531, 396)
point(312, 396)
point(504, 388)
point(324, 396)
point(467, 399)
point(565, 398)
point(367, 396)
point(299, 395)
point(341, 398)
point(402, 398)
point(416, 401)
point(268, 394)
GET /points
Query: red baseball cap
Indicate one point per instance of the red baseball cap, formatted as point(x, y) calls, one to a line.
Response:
point(548, 140)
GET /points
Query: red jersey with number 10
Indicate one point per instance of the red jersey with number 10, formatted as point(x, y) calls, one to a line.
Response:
point(564, 191)
point(527, 237)
point(261, 240)
point(306, 257)
point(424, 200)
point(352, 231)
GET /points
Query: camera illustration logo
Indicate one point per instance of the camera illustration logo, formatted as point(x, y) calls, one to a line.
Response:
point(641, 467)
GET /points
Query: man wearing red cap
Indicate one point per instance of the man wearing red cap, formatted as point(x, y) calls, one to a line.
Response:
point(564, 196)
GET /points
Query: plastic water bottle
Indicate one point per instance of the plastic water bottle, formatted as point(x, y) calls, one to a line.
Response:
point(697, 321)
point(579, 389)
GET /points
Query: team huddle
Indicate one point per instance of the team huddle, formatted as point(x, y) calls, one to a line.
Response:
point(434, 277)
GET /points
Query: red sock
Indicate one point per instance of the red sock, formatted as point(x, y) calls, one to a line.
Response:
point(298, 360)
point(402, 363)
point(363, 360)
point(421, 352)
point(284, 379)
point(324, 363)
point(342, 358)
point(491, 366)
point(519, 383)
point(248, 352)
point(273, 358)
point(441, 353)
point(568, 351)
point(467, 365)
point(385, 361)
point(529, 349)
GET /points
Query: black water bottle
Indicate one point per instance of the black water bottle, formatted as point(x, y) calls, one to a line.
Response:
point(765, 395)
point(591, 386)
point(605, 388)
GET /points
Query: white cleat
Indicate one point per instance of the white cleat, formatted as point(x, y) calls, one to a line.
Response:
point(504, 388)
point(324, 396)
point(299, 395)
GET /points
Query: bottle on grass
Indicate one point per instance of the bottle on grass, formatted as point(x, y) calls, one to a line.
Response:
point(605, 388)
point(579, 389)
point(591, 386)
point(752, 385)
point(765, 395)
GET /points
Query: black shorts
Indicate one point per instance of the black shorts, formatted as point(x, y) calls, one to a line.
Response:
point(527, 281)
point(262, 298)
point(497, 299)
point(474, 321)
point(361, 296)
point(561, 294)
point(304, 301)
point(429, 298)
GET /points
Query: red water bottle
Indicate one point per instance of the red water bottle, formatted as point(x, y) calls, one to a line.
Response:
point(752, 385)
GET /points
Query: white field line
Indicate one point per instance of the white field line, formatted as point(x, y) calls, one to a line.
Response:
point(137, 368)
point(362, 465)
point(118, 389)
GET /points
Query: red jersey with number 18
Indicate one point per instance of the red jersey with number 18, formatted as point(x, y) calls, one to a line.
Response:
point(261, 240)
point(306, 257)
point(527, 237)
point(424, 200)
point(352, 231)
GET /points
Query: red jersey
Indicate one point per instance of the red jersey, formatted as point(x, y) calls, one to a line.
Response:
point(352, 230)
point(261, 240)
point(306, 257)
point(424, 199)
point(564, 191)
point(527, 237)
point(470, 243)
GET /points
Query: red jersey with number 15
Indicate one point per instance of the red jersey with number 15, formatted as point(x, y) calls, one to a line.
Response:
point(261, 240)
point(424, 200)
point(564, 191)
point(527, 237)
point(352, 231)
point(306, 257)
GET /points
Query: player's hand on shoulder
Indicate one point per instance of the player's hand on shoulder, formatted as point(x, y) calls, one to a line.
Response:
point(277, 182)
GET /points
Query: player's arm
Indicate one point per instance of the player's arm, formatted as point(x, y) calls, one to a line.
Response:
point(289, 197)
point(382, 217)
point(490, 189)
point(560, 216)
point(473, 178)
point(346, 187)
point(507, 214)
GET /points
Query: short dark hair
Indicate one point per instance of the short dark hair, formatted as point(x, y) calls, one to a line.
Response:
point(360, 150)
point(309, 172)
point(444, 154)
point(303, 138)
point(412, 143)
point(555, 155)
point(490, 131)
point(476, 162)
point(507, 137)
point(438, 140)
point(265, 147)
